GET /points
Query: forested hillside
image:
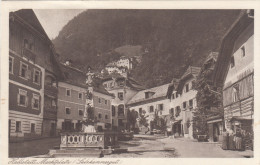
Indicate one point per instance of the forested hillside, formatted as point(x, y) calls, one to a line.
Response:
point(174, 39)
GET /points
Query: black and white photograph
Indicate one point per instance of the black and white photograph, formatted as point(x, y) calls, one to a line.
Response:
point(130, 83)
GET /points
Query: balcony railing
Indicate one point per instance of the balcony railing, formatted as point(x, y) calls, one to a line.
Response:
point(88, 140)
point(28, 54)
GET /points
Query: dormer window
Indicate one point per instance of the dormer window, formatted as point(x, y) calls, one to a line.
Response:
point(232, 62)
point(149, 94)
point(243, 52)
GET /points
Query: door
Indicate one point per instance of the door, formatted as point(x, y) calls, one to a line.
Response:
point(53, 129)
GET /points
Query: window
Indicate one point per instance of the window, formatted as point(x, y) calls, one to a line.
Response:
point(105, 101)
point(113, 110)
point(243, 52)
point(106, 116)
point(172, 111)
point(232, 62)
point(36, 102)
point(53, 103)
point(11, 64)
point(187, 88)
point(105, 85)
point(99, 115)
point(151, 109)
point(18, 126)
point(120, 95)
point(32, 127)
point(192, 84)
point(36, 76)
point(80, 112)
point(80, 96)
point(68, 92)
point(235, 93)
point(184, 104)
point(121, 109)
point(120, 122)
point(140, 111)
point(24, 72)
point(99, 100)
point(67, 110)
point(26, 43)
point(160, 107)
point(191, 103)
point(22, 98)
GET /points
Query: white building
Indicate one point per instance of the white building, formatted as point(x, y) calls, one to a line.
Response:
point(149, 101)
point(183, 102)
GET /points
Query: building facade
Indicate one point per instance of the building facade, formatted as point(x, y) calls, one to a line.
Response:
point(30, 58)
point(150, 101)
point(74, 101)
point(235, 74)
point(123, 90)
point(183, 103)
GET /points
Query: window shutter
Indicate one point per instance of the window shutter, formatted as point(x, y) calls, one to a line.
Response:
point(26, 101)
point(32, 101)
point(18, 99)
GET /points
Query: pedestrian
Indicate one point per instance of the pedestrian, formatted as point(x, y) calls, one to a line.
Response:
point(231, 140)
point(225, 141)
point(238, 140)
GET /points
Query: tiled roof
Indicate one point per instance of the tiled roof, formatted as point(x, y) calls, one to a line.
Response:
point(159, 91)
point(191, 71)
point(77, 77)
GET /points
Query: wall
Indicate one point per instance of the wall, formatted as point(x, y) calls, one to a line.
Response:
point(240, 78)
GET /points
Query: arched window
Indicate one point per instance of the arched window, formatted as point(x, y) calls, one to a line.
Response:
point(121, 109)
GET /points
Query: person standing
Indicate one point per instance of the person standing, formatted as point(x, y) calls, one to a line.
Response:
point(231, 140)
point(238, 140)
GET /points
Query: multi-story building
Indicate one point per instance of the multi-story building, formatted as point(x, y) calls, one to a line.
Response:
point(235, 74)
point(123, 90)
point(151, 101)
point(183, 103)
point(31, 60)
point(73, 101)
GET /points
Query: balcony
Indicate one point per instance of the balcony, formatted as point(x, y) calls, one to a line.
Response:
point(28, 54)
point(50, 113)
point(50, 90)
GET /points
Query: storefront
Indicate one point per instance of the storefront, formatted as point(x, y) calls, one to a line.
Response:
point(215, 129)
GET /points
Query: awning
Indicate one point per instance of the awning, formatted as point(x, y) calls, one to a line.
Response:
point(239, 118)
point(176, 122)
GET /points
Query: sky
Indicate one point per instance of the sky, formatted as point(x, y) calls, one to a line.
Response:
point(53, 20)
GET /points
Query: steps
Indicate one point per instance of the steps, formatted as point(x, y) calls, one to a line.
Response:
point(88, 152)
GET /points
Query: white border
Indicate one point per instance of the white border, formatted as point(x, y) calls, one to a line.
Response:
point(11, 5)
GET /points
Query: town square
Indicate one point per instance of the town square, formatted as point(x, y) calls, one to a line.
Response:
point(131, 83)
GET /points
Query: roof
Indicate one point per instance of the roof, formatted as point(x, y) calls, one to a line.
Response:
point(190, 72)
point(29, 17)
point(77, 77)
point(227, 47)
point(159, 91)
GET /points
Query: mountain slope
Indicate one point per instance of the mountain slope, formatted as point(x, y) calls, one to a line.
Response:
point(174, 38)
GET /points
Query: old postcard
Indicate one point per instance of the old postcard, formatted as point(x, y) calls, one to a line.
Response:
point(99, 82)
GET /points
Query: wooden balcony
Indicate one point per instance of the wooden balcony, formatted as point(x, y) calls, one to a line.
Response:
point(88, 140)
point(50, 90)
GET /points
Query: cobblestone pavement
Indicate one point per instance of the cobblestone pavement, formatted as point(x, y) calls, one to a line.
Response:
point(159, 146)
point(142, 146)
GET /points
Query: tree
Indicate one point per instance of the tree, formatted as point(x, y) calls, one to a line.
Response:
point(131, 118)
point(143, 119)
point(209, 98)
